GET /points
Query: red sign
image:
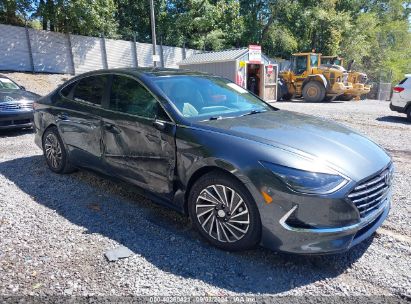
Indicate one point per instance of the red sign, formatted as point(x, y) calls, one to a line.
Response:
point(254, 53)
point(270, 69)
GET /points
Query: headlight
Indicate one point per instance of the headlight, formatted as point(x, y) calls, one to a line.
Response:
point(306, 181)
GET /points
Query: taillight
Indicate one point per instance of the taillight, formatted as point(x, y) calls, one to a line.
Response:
point(398, 89)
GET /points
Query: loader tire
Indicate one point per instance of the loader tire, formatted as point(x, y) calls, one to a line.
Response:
point(345, 97)
point(329, 98)
point(283, 92)
point(314, 91)
point(287, 96)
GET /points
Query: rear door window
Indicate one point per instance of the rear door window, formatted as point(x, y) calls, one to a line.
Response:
point(129, 96)
point(68, 90)
point(91, 89)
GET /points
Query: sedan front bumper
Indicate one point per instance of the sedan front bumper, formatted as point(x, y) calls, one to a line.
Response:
point(16, 120)
point(324, 240)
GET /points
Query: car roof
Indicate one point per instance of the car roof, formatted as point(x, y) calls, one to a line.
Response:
point(149, 72)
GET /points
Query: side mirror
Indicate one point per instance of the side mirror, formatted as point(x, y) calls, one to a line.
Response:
point(159, 125)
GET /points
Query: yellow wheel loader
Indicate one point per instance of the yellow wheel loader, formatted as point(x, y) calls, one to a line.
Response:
point(357, 79)
point(308, 79)
point(332, 60)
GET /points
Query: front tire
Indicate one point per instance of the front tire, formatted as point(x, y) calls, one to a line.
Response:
point(313, 91)
point(283, 93)
point(329, 98)
point(224, 212)
point(55, 152)
point(345, 97)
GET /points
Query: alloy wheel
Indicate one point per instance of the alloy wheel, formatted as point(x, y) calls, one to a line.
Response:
point(53, 150)
point(222, 213)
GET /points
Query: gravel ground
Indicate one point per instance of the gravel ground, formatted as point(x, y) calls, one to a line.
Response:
point(38, 83)
point(54, 230)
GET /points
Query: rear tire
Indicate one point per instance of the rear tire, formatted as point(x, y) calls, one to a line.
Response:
point(287, 97)
point(224, 212)
point(55, 152)
point(283, 92)
point(313, 91)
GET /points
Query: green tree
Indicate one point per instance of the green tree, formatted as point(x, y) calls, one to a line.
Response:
point(133, 18)
point(379, 39)
point(15, 12)
point(84, 17)
point(202, 24)
point(375, 33)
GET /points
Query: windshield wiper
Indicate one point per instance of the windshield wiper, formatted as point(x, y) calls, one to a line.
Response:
point(253, 112)
point(215, 118)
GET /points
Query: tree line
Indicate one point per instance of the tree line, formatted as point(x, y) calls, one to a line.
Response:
point(374, 33)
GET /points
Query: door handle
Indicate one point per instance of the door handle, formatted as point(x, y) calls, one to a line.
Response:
point(159, 125)
point(112, 128)
point(63, 116)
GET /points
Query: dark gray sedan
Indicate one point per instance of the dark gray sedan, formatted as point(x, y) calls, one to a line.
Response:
point(16, 105)
point(245, 172)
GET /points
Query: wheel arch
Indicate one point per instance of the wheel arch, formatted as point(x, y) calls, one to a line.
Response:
point(317, 77)
point(52, 125)
point(210, 168)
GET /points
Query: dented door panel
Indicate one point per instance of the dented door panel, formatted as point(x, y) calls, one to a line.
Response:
point(137, 152)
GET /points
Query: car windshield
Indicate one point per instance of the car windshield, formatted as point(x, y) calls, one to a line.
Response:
point(6, 83)
point(207, 97)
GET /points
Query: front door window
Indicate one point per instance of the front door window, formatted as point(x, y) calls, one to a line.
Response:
point(129, 96)
point(299, 64)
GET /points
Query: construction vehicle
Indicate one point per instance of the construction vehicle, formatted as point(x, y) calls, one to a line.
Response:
point(357, 79)
point(308, 79)
point(332, 60)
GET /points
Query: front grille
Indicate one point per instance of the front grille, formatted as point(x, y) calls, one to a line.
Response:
point(370, 194)
point(15, 106)
point(5, 123)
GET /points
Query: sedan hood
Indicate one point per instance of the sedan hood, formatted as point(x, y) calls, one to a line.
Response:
point(17, 95)
point(345, 150)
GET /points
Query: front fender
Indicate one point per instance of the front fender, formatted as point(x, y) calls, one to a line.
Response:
point(199, 150)
point(317, 77)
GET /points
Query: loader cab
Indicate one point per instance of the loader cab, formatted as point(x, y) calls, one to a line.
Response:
point(332, 60)
point(303, 63)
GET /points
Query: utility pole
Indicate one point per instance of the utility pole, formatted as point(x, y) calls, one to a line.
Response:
point(153, 31)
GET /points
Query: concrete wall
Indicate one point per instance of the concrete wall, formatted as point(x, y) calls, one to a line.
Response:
point(14, 50)
point(24, 49)
point(50, 51)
